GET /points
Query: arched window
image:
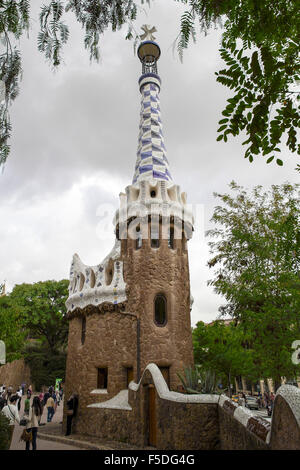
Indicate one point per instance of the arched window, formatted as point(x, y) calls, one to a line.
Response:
point(83, 330)
point(160, 310)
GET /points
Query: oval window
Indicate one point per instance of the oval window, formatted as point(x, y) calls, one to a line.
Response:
point(160, 306)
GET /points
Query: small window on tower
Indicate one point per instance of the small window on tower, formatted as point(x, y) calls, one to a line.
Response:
point(171, 238)
point(139, 241)
point(102, 378)
point(160, 306)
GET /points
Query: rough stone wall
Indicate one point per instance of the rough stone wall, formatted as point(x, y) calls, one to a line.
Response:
point(179, 425)
point(285, 432)
point(150, 271)
point(194, 422)
point(110, 341)
point(15, 373)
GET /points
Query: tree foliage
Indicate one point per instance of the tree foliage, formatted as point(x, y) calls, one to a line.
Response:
point(42, 311)
point(12, 330)
point(259, 46)
point(223, 349)
point(45, 364)
point(256, 262)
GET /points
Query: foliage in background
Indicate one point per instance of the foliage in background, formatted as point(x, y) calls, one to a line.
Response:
point(259, 46)
point(33, 325)
point(256, 261)
point(42, 310)
point(45, 364)
point(12, 330)
point(223, 349)
point(198, 380)
point(4, 432)
point(14, 21)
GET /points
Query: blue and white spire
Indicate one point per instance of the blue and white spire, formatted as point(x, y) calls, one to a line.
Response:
point(152, 162)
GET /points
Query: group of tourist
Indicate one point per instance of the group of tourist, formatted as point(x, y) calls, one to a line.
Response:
point(10, 405)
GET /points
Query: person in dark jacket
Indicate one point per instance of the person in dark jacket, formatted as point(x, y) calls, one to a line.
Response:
point(72, 406)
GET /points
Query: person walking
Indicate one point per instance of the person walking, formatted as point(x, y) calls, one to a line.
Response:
point(41, 398)
point(11, 412)
point(72, 406)
point(35, 413)
point(55, 400)
point(19, 393)
point(9, 393)
point(27, 404)
point(61, 392)
point(50, 407)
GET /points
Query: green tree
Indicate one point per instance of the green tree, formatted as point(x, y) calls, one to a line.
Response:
point(45, 364)
point(12, 330)
point(259, 46)
point(256, 248)
point(223, 349)
point(42, 311)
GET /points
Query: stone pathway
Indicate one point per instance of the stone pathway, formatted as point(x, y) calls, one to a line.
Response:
point(50, 437)
point(41, 444)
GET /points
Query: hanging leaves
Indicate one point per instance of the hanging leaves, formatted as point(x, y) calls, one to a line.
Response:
point(263, 74)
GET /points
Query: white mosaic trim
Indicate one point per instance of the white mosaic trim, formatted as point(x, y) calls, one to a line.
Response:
point(118, 402)
point(243, 415)
point(164, 392)
point(100, 292)
point(222, 400)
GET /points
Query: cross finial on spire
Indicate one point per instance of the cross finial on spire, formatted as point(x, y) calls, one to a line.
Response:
point(148, 32)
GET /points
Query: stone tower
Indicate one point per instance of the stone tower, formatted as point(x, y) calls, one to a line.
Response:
point(134, 307)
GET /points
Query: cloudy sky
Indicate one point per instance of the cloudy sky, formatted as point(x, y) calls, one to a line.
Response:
point(74, 150)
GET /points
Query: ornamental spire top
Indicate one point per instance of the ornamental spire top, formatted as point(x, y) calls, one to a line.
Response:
point(148, 33)
point(152, 162)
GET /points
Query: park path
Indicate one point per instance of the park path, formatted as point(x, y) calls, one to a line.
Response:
point(41, 443)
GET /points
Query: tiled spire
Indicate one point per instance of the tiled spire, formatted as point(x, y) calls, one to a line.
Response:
point(152, 162)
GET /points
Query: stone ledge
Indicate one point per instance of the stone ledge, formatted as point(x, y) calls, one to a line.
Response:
point(89, 445)
point(71, 442)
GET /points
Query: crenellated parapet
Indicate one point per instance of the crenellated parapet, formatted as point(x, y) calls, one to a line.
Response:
point(155, 198)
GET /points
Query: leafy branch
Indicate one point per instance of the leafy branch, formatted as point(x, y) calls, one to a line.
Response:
point(264, 73)
point(14, 20)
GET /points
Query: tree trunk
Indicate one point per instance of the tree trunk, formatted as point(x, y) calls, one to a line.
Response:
point(229, 385)
point(277, 383)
